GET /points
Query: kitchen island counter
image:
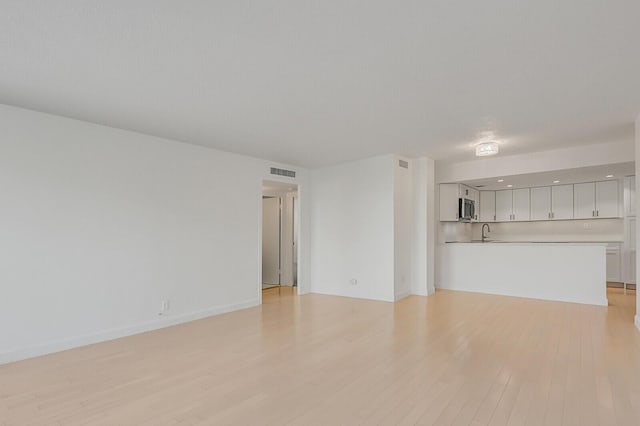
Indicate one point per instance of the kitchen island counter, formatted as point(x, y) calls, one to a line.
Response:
point(562, 271)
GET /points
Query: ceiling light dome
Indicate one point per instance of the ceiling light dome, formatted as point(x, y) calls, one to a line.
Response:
point(486, 148)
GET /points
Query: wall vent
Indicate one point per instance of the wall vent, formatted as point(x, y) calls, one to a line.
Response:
point(403, 164)
point(283, 172)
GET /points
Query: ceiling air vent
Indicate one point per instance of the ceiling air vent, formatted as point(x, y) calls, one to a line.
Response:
point(403, 164)
point(283, 172)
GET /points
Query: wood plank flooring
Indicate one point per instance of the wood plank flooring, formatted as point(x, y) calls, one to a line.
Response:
point(451, 359)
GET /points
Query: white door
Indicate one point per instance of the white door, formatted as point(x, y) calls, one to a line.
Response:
point(607, 199)
point(562, 202)
point(541, 203)
point(487, 206)
point(584, 200)
point(271, 240)
point(521, 204)
point(504, 205)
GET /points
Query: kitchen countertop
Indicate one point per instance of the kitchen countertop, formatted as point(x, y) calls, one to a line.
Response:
point(533, 242)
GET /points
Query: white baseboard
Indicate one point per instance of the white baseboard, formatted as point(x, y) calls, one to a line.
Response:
point(401, 295)
point(637, 321)
point(115, 333)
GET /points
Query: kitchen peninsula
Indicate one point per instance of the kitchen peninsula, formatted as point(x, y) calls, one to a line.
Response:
point(567, 272)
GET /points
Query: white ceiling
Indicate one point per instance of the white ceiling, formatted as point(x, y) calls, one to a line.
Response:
point(315, 83)
point(568, 176)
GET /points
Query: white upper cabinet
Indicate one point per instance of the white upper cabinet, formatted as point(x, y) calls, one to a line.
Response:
point(487, 206)
point(513, 205)
point(607, 199)
point(599, 199)
point(562, 202)
point(504, 205)
point(559, 202)
point(584, 200)
point(449, 195)
point(521, 204)
point(541, 203)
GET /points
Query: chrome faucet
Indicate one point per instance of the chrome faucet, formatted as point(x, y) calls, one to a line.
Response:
point(484, 237)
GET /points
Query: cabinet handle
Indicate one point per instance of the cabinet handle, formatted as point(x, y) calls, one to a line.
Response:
point(593, 213)
point(597, 212)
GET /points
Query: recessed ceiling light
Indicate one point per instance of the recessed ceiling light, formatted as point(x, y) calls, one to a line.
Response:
point(486, 148)
point(500, 180)
point(556, 181)
point(609, 176)
point(509, 186)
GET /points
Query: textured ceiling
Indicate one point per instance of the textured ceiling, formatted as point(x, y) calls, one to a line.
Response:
point(319, 82)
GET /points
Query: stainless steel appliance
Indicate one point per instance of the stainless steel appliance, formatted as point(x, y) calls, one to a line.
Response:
point(466, 209)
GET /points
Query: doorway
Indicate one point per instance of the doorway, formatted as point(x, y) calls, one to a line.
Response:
point(279, 238)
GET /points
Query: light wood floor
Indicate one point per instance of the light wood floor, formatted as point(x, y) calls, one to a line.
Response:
point(453, 358)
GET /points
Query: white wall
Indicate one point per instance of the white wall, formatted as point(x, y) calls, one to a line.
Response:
point(372, 221)
point(352, 229)
point(403, 227)
point(536, 162)
point(99, 225)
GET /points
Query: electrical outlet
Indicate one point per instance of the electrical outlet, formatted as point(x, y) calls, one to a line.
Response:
point(164, 306)
point(353, 281)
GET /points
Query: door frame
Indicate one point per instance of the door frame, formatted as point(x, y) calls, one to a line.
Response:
point(301, 287)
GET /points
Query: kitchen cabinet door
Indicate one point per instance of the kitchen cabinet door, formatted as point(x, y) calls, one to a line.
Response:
point(614, 264)
point(541, 203)
point(487, 206)
point(562, 202)
point(504, 205)
point(630, 252)
point(631, 278)
point(584, 200)
point(607, 199)
point(521, 204)
point(449, 193)
point(630, 196)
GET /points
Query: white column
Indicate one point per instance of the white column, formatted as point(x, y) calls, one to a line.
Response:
point(423, 251)
point(637, 156)
point(432, 220)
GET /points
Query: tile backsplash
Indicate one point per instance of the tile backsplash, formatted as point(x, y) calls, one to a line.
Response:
point(561, 230)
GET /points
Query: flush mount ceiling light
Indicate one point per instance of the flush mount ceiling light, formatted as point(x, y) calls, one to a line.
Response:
point(509, 186)
point(500, 180)
point(556, 181)
point(485, 149)
point(609, 176)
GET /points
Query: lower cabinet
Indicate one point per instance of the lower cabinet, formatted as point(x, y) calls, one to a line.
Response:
point(631, 267)
point(614, 263)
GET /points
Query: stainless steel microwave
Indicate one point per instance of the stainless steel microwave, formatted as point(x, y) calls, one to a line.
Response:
point(466, 209)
